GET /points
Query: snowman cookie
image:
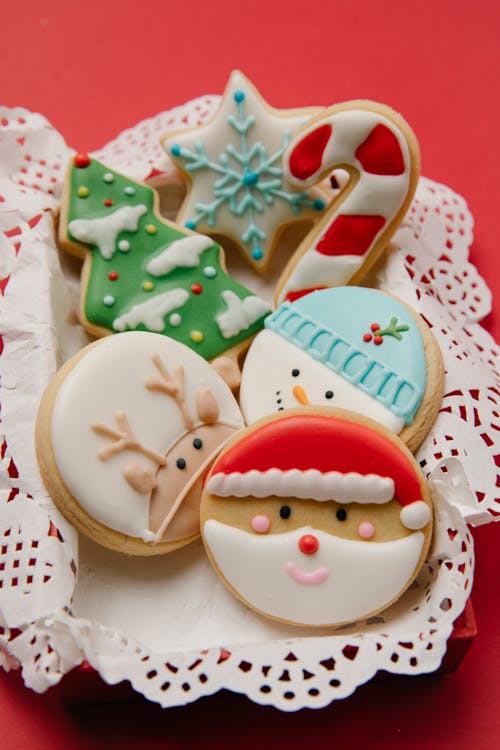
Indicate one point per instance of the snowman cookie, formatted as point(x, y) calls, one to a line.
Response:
point(125, 433)
point(349, 347)
point(316, 517)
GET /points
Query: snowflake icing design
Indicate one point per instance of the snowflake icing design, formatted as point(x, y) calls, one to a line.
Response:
point(250, 180)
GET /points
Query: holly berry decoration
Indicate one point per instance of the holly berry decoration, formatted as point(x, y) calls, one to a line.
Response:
point(377, 333)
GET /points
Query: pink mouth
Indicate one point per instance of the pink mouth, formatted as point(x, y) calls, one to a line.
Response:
point(307, 579)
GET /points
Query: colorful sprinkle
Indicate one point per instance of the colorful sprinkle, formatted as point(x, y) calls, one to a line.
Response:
point(148, 286)
point(108, 177)
point(196, 336)
point(129, 190)
point(257, 253)
point(124, 246)
point(113, 275)
point(196, 288)
point(190, 225)
point(109, 300)
point(210, 272)
point(82, 161)
point(108, 202)
point(82, 191)
point(175, 320)
point(151, 229)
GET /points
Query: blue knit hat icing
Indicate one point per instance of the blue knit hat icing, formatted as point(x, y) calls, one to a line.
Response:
point(331, 324)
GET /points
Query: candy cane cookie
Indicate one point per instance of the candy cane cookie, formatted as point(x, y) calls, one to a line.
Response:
point(379, 151)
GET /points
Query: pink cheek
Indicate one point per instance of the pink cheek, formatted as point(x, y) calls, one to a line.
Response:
point(366, 530)
point(260, 524)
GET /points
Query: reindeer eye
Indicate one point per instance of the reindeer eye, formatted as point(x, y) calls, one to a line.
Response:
point(285, 511)
point(341, 514)
point(197, 443)
point(181, 463)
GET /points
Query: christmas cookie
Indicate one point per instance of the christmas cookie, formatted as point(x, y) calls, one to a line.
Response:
point(144, 272)
point(316, 517)
point(237, 187)
point(126, 432)
point(380, 153)
point(348, 347)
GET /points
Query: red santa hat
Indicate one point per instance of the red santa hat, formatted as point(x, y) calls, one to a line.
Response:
point(319, 457)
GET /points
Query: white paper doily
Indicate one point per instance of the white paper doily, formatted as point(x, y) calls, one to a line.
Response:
point(168, 625)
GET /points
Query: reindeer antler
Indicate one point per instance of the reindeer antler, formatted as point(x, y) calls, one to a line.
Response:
point(172, 386)
point(124, 439)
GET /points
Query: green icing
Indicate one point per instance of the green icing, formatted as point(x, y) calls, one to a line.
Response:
point(107, 299)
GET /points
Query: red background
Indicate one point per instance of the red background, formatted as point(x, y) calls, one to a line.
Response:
point(96, 68)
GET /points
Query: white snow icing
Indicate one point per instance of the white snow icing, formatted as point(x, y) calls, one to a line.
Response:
point(104, 230)
point(240, 313)
point(152, 312)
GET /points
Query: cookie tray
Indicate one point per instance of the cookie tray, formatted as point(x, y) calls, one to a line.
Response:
point(168, 625)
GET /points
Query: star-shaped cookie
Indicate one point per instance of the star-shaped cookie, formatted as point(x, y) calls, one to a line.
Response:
point(237, 188)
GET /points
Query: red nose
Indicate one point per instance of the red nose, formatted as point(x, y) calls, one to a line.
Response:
point(308, 544)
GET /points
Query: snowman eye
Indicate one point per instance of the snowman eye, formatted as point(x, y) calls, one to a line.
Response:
point(341, 514)
point(295, 372)
point(285, 511)
point(328, 394)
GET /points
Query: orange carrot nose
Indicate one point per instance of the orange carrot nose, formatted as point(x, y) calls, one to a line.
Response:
point(300, 395)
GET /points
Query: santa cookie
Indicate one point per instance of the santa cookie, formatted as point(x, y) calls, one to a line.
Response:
point(142, 272)
point(237, 187)
point(350, 347)
point(125, 433)
point(316, 517)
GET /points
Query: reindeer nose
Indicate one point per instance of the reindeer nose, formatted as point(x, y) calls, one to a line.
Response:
point(308, 544)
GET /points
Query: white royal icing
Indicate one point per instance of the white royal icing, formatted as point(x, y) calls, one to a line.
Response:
point(267, 383)
point(240, 313)
point(183, 253)
point(380, 195)
point(361, 577)
point(109, 378)
point(152, 312)
point(103, 231)
point(313, 484)
point(415, 515)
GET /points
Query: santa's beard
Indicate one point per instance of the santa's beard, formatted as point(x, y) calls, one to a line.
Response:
point(355, 579)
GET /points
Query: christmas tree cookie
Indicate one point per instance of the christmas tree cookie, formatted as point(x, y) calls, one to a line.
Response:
point(142, 272)
point(237, 187)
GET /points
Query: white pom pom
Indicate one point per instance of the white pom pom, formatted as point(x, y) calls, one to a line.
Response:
point(415, 515)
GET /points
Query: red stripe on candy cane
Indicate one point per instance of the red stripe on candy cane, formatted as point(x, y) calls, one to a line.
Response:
point(381, 153)
point(350, 235)
point(306, 158)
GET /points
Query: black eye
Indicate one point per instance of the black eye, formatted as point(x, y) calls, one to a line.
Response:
point(181, 463)
point(295, 372)
point(197, 443)
point(285, 511)
point(341, 514)
point(328, 394)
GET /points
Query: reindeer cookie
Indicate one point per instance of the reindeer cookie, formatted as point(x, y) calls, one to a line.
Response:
point(349, 347)
point(125, 433)
point(316, 517)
